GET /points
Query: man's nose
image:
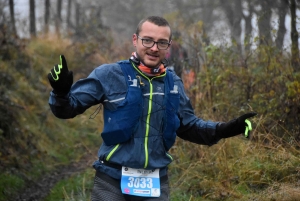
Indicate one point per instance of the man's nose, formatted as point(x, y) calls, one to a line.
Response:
point(154, 47)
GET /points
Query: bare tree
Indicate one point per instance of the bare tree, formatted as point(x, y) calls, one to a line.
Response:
point(294, 36)
point(58, 18)
point(264, 21)
point(248, 25)
point(47, 15)
point(77, 18)
point(234, 14)
point(69, 10)
point(12, 17)
point(32, 18)
point(282, 9)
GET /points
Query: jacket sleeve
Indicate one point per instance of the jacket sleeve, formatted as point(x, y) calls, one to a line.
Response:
point(83, 94)
point(192, 128)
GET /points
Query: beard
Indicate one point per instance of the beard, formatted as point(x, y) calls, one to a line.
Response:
point(143, 62)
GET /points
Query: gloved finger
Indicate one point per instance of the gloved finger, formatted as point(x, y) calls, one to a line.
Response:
point(63, 64)
point(54, 73)
point(246, 116)
point(50, 77)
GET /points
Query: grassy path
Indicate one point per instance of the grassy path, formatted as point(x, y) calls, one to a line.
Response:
point(38, 190)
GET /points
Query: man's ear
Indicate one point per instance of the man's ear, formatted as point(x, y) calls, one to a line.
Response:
point(170, 44)
point(134, 39)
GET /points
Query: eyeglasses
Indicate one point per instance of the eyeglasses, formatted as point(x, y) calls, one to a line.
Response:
point(161, 45)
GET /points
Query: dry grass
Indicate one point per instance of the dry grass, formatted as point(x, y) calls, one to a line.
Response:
point(263, 168)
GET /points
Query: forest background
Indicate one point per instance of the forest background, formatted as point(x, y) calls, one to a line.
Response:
point(244, 55)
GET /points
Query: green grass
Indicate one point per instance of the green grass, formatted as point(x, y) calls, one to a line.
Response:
point(77, 187)
point(9, 184)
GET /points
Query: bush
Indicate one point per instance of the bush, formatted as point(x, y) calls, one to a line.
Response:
point(264, 82)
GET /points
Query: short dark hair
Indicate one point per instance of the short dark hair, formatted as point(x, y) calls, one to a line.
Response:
point(159, 21)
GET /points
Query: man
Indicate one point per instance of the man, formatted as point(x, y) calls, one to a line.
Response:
point(145, 106)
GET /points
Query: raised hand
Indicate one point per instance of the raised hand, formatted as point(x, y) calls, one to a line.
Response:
point(60, 78)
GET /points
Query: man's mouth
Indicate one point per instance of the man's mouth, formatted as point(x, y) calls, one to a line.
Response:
point(152, 56)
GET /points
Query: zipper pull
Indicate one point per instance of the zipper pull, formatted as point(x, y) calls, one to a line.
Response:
point(140, 79)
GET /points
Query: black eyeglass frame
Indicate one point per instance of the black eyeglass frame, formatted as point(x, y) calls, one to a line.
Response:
point(154, 42)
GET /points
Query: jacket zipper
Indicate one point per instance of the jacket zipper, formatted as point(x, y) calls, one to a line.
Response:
point(148, 113)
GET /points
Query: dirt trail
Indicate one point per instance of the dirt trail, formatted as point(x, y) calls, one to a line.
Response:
point(38, 190)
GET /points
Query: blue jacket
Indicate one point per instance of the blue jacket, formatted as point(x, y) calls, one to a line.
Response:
point(108, 85)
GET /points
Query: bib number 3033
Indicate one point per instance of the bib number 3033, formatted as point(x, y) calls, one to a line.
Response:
point(140, 182)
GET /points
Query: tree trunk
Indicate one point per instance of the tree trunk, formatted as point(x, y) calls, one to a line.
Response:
point(233, 10)
point(264, 22)
point(47, 15)
point(32, 18)
point(69, 10)
point(58, 18)
point(294, 37)
point(248, 27)
point(77, 18)
point(98, 16)
point(282, 11)
point(12, 17)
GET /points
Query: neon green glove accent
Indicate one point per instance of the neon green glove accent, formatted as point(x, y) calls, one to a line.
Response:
point(57, 72)
point(248, 128)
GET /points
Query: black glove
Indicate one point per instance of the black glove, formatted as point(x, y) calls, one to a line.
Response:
point(60, 78)
point(235, 126)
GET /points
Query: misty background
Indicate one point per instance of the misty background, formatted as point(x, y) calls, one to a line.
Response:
point(223, 20)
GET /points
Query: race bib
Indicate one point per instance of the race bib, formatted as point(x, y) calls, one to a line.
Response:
point(140, 182)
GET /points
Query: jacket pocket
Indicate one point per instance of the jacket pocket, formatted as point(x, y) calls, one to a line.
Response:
point(120, 124)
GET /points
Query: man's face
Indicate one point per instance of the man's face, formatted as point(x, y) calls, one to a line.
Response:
point(151, 57)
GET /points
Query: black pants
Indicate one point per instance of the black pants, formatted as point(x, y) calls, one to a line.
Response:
point(107, 188)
